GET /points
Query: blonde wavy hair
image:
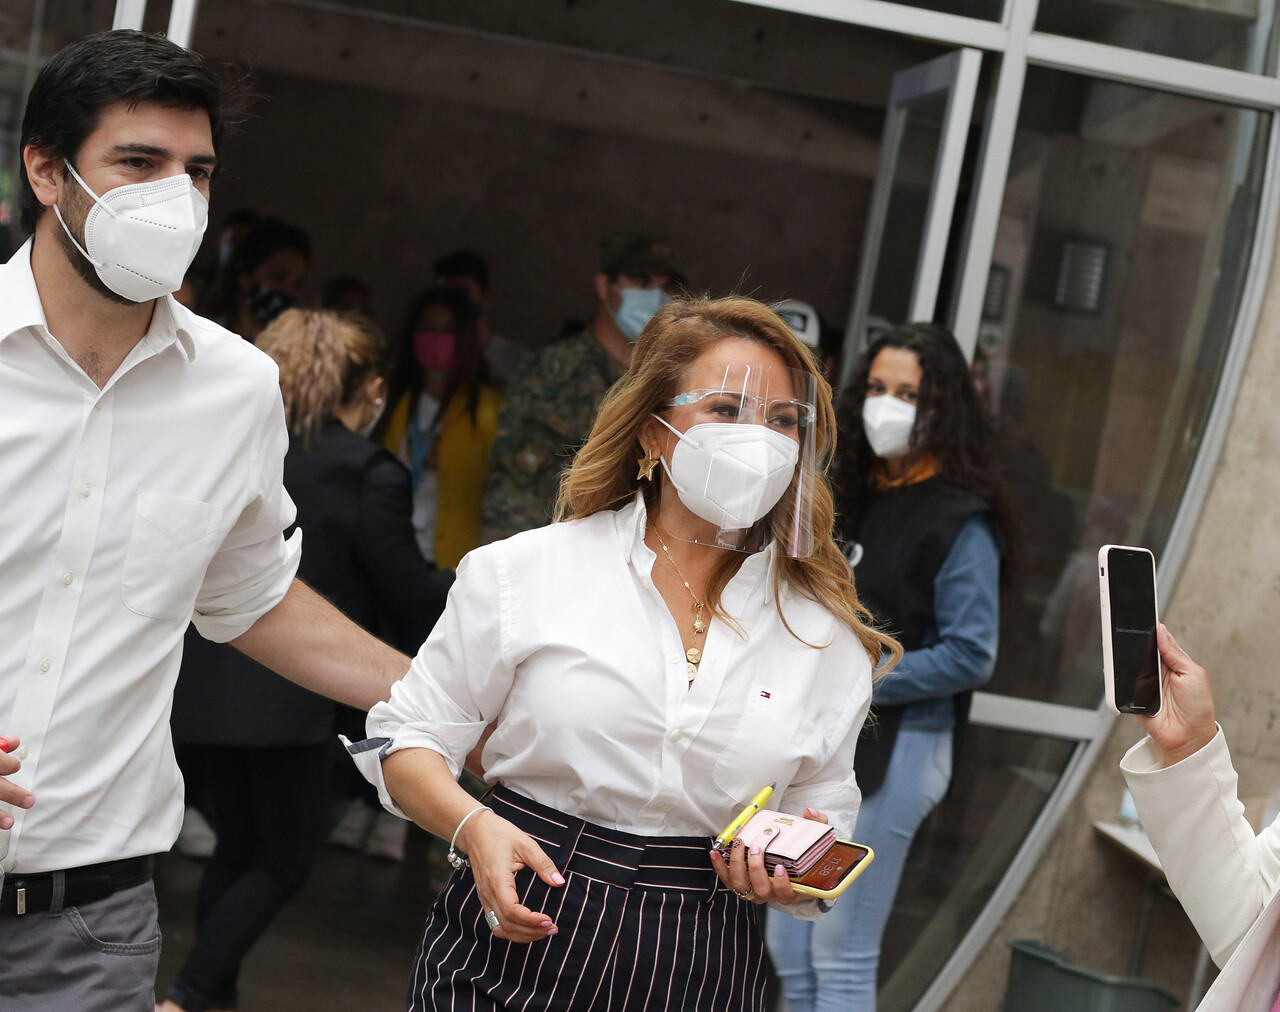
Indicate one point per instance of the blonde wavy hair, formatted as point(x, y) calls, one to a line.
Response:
point(603, 473)
point(324, 359)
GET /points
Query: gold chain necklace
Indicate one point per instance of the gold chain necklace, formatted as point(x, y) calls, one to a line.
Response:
point(693, 655)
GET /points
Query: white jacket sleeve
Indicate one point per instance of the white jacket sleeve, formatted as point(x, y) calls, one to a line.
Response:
point(1222, 873)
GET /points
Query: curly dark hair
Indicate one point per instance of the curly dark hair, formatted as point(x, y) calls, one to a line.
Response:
point(951, 426)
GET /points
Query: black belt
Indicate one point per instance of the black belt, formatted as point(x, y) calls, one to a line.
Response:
point(30, 894)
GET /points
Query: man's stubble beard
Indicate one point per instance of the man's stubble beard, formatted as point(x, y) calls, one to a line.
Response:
point(75, 209)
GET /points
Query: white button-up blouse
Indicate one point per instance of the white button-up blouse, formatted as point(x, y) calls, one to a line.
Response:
point(559, 637)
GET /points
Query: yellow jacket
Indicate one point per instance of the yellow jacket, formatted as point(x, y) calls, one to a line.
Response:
point(462, 464)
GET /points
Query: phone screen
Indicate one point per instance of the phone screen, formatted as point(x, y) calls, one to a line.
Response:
point(833, 866)
point(1131, 589)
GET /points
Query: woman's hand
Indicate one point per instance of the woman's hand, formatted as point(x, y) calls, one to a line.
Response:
point(745, 873)
point(497, 850)
point(1186, 722)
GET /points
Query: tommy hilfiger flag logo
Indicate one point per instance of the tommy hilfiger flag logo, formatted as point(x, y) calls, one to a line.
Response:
point(765, 694)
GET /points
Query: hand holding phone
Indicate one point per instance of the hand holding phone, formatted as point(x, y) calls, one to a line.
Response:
point(1187, 721)
point(1131, 664)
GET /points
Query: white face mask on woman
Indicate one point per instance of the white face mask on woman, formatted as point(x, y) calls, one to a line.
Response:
point(888, 422)
point(141, 238)
point(731, 474)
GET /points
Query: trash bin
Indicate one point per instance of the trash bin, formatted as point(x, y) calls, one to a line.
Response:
point(1042, 980)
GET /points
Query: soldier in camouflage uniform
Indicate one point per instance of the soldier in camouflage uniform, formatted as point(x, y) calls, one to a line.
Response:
point(550, 408)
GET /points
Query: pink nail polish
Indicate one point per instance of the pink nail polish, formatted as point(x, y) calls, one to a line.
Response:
point(548, 924)
point(755, 851)
point(553, 931)
point(558, 879)
point(777, 871)
point(715, 855)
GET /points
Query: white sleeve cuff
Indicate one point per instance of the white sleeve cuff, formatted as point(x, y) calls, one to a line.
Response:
point(368, 755)
point(234, 611)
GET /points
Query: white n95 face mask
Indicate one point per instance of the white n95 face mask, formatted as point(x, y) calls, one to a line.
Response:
point(888, 422)
point(141, 238)
point(731, 474)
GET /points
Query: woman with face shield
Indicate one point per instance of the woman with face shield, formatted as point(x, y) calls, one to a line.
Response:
point(926, 524)
point(684, 636)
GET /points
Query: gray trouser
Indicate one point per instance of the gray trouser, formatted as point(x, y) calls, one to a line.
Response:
point(100, 957)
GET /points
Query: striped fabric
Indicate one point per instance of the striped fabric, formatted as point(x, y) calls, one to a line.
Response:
point(644, 924)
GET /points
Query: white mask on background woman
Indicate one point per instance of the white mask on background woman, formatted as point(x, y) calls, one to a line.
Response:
point(731, 474)
point(888, 422)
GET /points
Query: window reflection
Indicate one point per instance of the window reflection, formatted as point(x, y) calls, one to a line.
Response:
point(1002, 781)
point(1122, 245)
point(1225, 33)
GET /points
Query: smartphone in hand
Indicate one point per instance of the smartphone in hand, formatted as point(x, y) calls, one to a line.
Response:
point(1130, 658)
point(835, 871)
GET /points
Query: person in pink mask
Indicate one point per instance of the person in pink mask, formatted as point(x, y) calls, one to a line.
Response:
point(441, 421)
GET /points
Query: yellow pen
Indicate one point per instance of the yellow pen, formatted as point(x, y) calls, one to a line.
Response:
point(742, 818)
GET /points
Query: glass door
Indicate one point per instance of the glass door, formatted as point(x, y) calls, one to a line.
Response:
point(912, 203)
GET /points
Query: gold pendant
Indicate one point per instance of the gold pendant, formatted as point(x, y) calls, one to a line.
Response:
point(699, 626)
point(693, 672)
point(694, 655)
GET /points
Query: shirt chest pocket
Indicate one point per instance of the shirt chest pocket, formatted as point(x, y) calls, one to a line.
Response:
point(172, 542)
point(772, 738)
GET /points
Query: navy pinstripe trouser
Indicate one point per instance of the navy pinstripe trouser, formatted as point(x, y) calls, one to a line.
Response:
point(644, 924)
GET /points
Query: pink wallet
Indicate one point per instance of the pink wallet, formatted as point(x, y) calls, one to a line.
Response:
point(792, 841)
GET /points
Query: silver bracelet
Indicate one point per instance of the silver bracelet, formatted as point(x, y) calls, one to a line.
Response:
point(459, 861)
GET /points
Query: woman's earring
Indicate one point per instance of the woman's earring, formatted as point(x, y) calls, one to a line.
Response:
point(647, 464)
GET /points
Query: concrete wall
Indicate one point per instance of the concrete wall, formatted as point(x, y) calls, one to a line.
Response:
point(1083, 897)
point(386, 182)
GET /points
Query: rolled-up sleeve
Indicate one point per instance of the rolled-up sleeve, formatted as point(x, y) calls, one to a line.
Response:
point(253, 568)
point(459, 681)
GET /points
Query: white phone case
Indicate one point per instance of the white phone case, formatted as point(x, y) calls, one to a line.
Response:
point(1108, 660)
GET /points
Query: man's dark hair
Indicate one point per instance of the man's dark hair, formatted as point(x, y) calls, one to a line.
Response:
point(255, 247)
point(463, 263)
point(97, 70)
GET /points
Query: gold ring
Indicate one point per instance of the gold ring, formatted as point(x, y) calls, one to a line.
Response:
point(749, 895)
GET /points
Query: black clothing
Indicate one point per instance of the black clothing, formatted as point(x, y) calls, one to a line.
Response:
point(359, 551)
point(272, 808)
point(267, 742)
point(905, 534)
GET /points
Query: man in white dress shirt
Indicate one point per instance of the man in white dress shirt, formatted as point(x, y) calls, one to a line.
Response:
point(141, 489)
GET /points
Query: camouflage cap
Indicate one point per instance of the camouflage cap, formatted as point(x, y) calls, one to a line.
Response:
point(636, 254)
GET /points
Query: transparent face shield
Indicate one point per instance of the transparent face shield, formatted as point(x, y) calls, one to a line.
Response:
point(739, 462)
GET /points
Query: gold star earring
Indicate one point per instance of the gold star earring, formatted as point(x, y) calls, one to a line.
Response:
point(647, 464)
